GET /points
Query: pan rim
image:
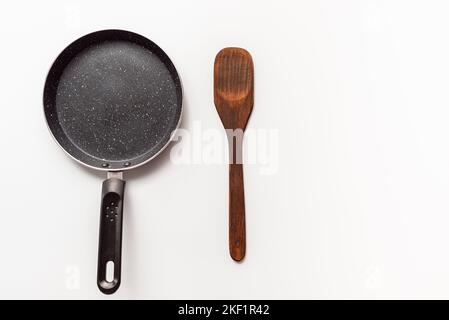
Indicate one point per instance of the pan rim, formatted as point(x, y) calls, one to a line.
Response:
point(141, 163)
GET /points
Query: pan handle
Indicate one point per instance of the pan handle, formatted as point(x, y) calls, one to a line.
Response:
point(110, 243)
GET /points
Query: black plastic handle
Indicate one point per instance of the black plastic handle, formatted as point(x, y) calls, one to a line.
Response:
point(110, 244)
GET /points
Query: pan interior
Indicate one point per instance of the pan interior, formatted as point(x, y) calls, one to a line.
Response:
point(116, 102)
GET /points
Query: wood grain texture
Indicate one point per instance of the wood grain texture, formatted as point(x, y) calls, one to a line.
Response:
point(234, 99)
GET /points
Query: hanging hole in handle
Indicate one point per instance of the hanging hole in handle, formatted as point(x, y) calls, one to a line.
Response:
point(110, 271)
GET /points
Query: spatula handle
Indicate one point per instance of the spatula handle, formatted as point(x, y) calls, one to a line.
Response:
point(237, 232)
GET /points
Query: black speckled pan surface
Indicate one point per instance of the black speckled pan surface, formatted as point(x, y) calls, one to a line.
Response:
point(112, 99)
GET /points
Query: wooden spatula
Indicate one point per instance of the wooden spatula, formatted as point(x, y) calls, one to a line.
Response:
point(234, 99)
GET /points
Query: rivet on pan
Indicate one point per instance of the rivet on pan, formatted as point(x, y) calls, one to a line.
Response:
point(127, 164)
point(105, 165)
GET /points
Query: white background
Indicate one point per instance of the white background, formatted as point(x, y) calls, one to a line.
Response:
point(359, 205)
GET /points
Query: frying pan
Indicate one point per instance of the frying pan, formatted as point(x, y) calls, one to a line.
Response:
point(112, 100)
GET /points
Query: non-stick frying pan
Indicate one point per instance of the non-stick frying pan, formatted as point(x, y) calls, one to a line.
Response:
point(112, 100)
